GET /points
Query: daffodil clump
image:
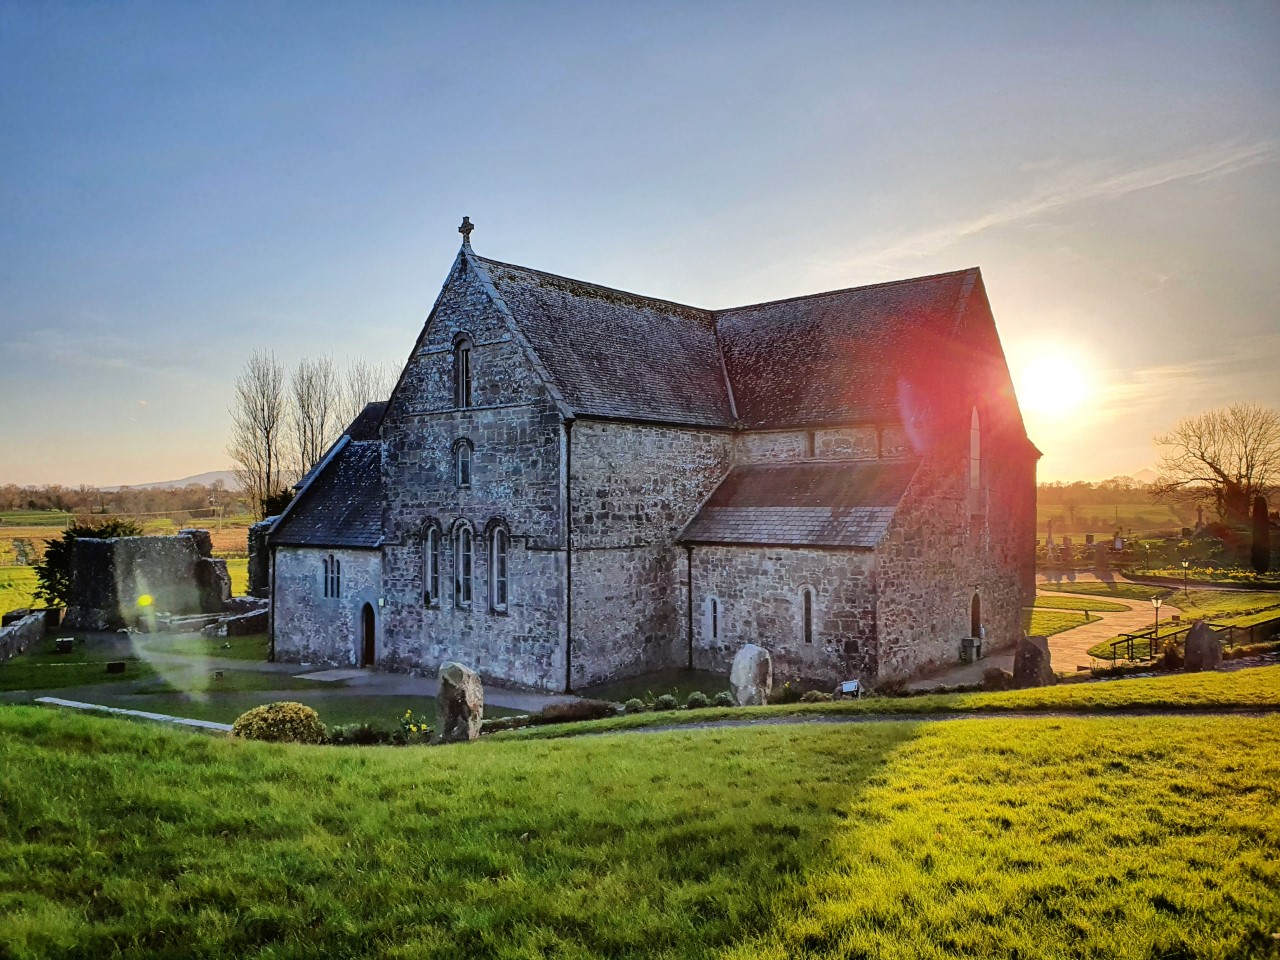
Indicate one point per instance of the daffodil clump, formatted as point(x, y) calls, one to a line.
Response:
point(415, 727)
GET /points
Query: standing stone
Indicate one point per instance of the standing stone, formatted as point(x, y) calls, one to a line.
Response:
point(459, 704)
point(1203, 649)
point(1031, 664)
point(751, 677)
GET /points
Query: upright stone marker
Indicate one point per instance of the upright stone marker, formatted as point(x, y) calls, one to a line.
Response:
point(1203, 649)
point(1031, 664)
point(459, 704)
point(751, 677)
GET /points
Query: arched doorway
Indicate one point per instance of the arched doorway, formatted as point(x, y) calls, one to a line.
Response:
point(975, 617)
point(368, 631)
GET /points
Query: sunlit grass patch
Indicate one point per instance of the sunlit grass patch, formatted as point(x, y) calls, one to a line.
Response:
point(1056, 837)
point(1039, 622)
point(1095, 588)
point(1079, 603)
point(17, 588)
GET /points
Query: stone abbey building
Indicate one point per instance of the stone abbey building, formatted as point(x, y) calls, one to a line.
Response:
point(570, 484)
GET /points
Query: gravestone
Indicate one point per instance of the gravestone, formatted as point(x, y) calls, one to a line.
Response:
point(459, 704)
point(1203, 649)
point(1032, 666)
point(751, 677)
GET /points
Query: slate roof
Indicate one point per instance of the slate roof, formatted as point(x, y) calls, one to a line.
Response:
point(616, 354)
point(825, 503)
point(870, 340)
point(365, 425)
point(342, 505)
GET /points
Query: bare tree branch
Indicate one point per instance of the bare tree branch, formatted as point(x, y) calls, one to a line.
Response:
point(258, 425)
point(314, 395)
point(363, 384)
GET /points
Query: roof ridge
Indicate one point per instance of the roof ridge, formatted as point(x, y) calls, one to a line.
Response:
point(595, 286)
point(865, 286)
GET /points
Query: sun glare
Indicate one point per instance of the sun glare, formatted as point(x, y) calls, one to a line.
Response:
point(1053, 384)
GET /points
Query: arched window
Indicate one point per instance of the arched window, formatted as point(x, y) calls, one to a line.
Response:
point(462, 371)
point(806, 614)
point(975, 463)
point(712, 614)
point(462, 462)
point(463, 565)
point(332, 577)
point(499, 588)
point(431, 565)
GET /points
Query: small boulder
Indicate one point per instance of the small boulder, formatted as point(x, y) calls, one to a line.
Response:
point(459, 704)
point(1031, 664)
point(994, 678)
point(1203, 649)
point(751, 677)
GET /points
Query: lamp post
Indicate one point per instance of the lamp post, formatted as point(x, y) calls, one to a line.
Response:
point(1155, 637)
point(1185, 563)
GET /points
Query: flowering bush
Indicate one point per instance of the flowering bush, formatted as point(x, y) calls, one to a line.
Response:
point(415, 728)
point(282, 722)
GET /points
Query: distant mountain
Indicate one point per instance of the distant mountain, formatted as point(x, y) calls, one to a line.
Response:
point(1146, 475)
point(205, 479)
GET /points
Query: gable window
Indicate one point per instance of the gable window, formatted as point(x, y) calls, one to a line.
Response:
point(499, 544)
point(332, 577)
point(806, 614)
point(463, 566)
point(462, 463)
point(431, 566)
point(462, 372)
point(975, 463)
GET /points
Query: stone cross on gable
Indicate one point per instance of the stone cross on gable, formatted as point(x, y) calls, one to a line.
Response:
point(465, 230)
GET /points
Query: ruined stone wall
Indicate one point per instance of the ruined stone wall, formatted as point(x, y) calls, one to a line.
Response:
point(313, 628)
point(177, 575)
point(517, 436)
point(260, 558)
point(20, 634)
point(632, 490)
point(760, 596)
point(935, 558)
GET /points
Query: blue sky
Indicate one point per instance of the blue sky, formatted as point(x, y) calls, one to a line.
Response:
point(184, 183)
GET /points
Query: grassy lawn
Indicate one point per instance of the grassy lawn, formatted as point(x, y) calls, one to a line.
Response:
point(1102, 519)
point(1040, 622)
point(1117, 837)
point(1232, 575)
point(1126, 591)
point(1236, 608)
point(17, 588)
point(252, 647)
point(678, 683)
point(238, 569)
point(1079, 603)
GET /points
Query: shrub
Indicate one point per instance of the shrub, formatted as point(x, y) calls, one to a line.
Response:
point(358, 734)
point(576, 710)
point(697, 700)
point(415, 729)
point(724, 699)
point(815, 696)
point(634, 705)
point(666, 702)
point(282, 722)
point(787, 693)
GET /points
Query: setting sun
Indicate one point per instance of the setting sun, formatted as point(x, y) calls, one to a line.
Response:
point(1053, 384)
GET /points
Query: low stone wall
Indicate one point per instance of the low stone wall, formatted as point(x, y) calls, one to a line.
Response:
point(17, 636)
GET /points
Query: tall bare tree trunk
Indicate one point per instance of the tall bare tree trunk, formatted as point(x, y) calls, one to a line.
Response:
point(314, 394)
point(259, 419)
point(364, 383)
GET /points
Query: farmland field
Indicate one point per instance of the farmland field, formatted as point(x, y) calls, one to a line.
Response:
point(1054, 837)
point(17, 588)
point(1140, 516)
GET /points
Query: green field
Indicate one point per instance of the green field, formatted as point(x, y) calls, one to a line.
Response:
point(1040, 622)
point(17, 588)
point(1056, 837)
point(35, 518)
point(1140, 516)
point(1093, 588)
point(1079, 603)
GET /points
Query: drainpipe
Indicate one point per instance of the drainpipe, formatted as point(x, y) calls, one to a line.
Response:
point(568, 556)
point(688, 590)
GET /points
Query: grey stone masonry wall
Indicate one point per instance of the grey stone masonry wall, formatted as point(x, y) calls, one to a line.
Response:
point(515, 429)
point(632, 489)
point(936, 558)
point(760, 596)
point(828, 443)
point(313, 628)
point(260, 558)
point(17, 636)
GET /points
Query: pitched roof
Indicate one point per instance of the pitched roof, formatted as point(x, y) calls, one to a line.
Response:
point(365, 425)
point(870, 340)
point(342, 505)
point(827, 503)
point(616, 354)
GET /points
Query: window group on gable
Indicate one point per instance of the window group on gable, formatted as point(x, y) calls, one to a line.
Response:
point(332, 576)
point(464, 537)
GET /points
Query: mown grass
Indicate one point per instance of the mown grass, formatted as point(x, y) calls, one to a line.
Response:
point(1040, 622)
point(252, 647)
point(1096, 588)
point(17, 588)
point(1079, 603)
point(1038, 838)
point(1229, 575)
point(1251, 688)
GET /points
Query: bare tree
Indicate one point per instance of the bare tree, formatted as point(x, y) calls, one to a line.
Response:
point(259, 418)
point(364, 383)
point(1226, 456)
point(314, 396)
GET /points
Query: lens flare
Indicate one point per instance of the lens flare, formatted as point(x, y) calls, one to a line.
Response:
point(146, 600)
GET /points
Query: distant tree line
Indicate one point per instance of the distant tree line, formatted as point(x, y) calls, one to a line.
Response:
point(133, 501)
point(283, 422)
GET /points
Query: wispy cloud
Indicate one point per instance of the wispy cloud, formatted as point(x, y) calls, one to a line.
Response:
point(1071, 187)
